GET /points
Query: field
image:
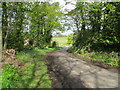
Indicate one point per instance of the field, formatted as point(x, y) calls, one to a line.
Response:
point(62, 41)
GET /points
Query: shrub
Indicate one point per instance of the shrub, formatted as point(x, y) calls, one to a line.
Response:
point(70, 38)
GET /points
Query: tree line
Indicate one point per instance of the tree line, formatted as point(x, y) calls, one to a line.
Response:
point(97, 26)
point(33, 22)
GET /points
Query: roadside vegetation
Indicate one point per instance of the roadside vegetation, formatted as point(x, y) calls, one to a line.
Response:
point(109, 58)
point(97, 36)
point(70, 39)
point(31, 71)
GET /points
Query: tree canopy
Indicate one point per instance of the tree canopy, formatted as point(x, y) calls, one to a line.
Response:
point(34, 21)
point(97, 25)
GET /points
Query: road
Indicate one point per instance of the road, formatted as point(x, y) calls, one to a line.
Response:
point(71, 72)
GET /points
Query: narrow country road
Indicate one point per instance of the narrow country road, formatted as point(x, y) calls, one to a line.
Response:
point(70, 72)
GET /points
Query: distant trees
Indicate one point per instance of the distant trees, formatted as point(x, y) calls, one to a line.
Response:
point(97, 25)
point(34, 21)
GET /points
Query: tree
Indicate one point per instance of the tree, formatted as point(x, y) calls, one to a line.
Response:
point(43, 23)
point(4, 24)
point(33, 21)
point(96, 25)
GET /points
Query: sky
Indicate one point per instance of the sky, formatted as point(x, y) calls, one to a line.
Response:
point(70, 6)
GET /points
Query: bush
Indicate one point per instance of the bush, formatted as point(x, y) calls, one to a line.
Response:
point(70, 38)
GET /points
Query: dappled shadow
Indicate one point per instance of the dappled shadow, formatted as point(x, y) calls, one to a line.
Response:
point(76, 73)
point(62, 74)
point(35, 75)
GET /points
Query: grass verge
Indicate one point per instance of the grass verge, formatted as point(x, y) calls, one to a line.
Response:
point(31, 73)
point(109, 58)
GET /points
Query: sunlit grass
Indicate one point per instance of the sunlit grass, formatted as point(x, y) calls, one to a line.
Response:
point(32, 71)
point(62, 41)
point(111, 59)
point(35, 73)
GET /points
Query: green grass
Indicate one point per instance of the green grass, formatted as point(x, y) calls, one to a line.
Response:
point(111, 59)
point(62, 41)
point(9, 76)
point(32, 73)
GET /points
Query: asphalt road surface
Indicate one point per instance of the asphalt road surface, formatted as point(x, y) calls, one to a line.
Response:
point(76, 73)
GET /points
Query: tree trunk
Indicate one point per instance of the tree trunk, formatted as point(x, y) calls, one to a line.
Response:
point(4, 24)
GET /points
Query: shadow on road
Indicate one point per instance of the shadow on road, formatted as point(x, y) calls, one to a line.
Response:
point(75, 73)
point(61, 75)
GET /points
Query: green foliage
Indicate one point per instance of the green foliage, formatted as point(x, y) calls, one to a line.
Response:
point(10, 77)
point(111, 59)
point(96, 25)
point(70, 38)
point(97, 31)
point(13, 24)
point(43, 23)
point(29, 20)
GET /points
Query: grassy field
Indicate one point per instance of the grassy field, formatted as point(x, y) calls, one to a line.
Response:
point(31, 73)
point(62, 41)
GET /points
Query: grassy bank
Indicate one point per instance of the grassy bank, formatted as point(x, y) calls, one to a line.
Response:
point(109, 58)
point(31, 73)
